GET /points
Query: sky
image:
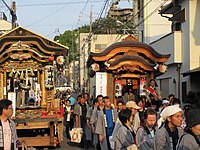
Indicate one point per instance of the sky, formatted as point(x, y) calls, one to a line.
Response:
point(50, 18)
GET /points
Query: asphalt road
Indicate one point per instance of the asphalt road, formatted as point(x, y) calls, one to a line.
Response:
point(67, 145)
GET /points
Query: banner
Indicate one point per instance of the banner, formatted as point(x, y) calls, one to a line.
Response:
point(118, 88)
point(142, 86)
point(12, 97)
point(49, 76)
point(101, 83)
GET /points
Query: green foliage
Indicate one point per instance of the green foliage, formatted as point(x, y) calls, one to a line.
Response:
point(105, 25)
point(69, 39)
point(84, 29)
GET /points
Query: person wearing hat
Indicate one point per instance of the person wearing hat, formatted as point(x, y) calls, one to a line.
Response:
point(167, 136)
point(131, 105)
point(190, 140)
point(136, 119)
point(165, 103)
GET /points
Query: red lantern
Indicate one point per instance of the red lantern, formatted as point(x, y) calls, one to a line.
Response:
point(51, 58)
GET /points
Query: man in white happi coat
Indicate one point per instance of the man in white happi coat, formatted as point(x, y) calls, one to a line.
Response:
point(105, 124)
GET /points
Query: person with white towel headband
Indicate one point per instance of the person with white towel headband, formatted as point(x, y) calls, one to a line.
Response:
point(169, 130)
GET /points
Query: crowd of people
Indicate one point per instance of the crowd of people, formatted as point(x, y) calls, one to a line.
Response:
point(147, 123)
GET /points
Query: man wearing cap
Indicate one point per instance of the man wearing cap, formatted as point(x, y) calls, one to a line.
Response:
point(191, 139)
point(165, 103)
point(166, 138)
point(136, 120)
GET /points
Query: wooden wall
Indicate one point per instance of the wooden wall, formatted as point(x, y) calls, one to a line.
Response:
point(110, 87)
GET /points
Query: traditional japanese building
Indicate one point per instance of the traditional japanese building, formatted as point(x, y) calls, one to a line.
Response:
point(128, 65)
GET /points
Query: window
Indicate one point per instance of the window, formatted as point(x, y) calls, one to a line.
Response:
point(164, 86)
point(184, 90)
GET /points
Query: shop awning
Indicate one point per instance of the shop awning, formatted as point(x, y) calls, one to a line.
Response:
point(191, 72)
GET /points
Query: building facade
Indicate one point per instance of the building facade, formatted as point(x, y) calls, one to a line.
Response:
point(5, 26)
point(151, 25)
point(183, 45)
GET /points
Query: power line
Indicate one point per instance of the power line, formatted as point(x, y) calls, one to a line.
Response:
point(51, 33)
point(163, 3)
point(133, 16)
point(85, 6)
point(142, 21)
point(98, 19)
point(52, 4)
point(50, 14)
point(81, 13)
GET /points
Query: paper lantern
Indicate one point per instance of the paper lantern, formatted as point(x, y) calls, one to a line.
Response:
point(60, 60)
point(95, 67)
point(163, 68)
point(51, 58)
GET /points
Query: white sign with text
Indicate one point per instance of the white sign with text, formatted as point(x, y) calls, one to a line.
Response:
point(101, 83)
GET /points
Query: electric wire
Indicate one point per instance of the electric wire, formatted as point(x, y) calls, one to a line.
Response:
point(81, 13)
point(52, 4)
point(45, 17)
point(133, 16)
point(147, 17)
point(97, 21)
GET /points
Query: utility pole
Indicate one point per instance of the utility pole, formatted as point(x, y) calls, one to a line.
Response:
point(89, 50)
point(91, 20)
point(74, 74)
point(12, 12)
point(135, 18)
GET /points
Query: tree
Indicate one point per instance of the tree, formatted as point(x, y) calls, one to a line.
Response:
point(105, 25)
point(83, 29)
point(69, 38)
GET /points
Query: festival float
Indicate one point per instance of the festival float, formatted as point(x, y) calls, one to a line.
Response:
point(29, 67)
point(125, 66)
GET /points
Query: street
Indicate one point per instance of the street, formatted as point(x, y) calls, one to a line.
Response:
point(66, 144)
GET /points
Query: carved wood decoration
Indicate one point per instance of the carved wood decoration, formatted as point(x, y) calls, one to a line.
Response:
point(128, 58)
point(1, 85)
point(130, 38)
point(140, 51)
point(26, 52)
